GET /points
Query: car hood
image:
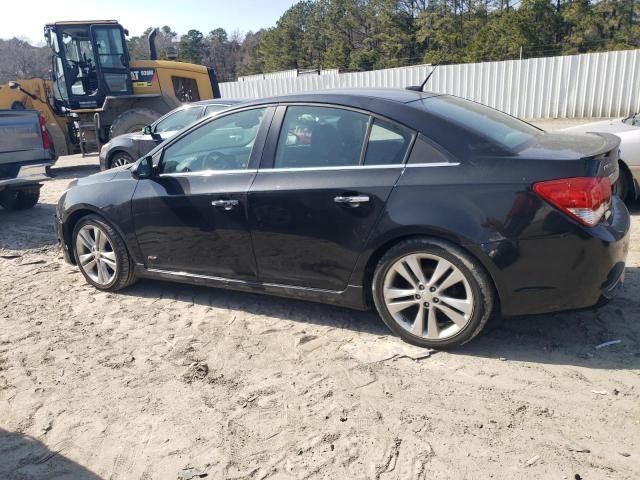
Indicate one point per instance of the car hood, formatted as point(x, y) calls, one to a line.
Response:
point(118, 173)
point(567, 146)
point(130, 136)
point(615, 125)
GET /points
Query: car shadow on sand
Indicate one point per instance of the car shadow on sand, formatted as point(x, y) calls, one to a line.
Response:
point(634, 208)
point(571, 338)
point(28, 229)
point(567, 338)
point(25, 458)
point(256, 304)
point(73, 171)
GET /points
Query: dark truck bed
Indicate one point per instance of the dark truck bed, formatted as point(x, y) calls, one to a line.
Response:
point(23, 158)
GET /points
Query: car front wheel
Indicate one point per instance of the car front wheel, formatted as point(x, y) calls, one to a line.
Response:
point(431, 293)
point(119, 159)
point(101, 254)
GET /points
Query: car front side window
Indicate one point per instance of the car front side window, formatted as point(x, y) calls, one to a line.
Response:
point(178, 120)
point(222, 144)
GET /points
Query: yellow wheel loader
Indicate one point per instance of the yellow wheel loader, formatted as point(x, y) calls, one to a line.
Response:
point(96, 92)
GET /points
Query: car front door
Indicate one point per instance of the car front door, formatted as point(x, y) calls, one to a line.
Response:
point(191, 216)
point(167, 126)
point(323, 182)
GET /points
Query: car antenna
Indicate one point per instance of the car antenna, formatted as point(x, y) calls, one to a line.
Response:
point(420, 88)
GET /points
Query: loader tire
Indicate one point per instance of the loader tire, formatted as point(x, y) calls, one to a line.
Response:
point(133, 120)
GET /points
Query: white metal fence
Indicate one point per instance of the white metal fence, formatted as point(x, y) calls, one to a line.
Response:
point(576, 86)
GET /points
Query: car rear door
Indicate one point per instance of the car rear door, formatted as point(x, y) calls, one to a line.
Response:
point(325, 176)
point(190, 218)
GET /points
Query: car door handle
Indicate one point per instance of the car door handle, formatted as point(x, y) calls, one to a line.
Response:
point(353, 201)
point(226, 204)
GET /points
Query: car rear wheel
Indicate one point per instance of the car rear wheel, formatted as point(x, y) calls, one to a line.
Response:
point(101, 254)
point(624, 185)
point(119, 159)
point(21, 199)
point(432, 294)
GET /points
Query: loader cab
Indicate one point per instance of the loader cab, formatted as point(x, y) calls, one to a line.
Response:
point(89, 62)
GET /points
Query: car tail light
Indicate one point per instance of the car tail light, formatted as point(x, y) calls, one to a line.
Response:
point(47, 144)
point(585, 199)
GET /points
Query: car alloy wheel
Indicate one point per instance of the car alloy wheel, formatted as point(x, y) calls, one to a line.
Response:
point(428, 296)
point(432, 293)
point(120, 160)
point(96, 255)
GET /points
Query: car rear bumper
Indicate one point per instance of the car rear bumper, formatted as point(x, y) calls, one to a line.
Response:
point(24, 174)
point(581, 267)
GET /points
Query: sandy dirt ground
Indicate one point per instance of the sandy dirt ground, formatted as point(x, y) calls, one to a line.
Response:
point(167, 381)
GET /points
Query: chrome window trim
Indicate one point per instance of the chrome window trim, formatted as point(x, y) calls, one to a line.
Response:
point(434, 164)
point(359, 167)
point(344, 167)
point(209, 173)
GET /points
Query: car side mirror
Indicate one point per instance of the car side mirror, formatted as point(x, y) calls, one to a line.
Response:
point(143, 169)
point(148, 130)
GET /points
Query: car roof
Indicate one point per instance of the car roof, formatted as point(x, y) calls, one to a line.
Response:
point(219, 101)
point(350, 96)
point(395, 104)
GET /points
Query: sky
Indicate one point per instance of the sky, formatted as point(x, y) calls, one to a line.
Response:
point(136, 16)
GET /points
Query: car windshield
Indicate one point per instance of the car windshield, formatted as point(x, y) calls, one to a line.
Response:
point(504, 130)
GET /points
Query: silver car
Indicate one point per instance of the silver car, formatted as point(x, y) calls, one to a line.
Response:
point(127, 148)
point(628, 129)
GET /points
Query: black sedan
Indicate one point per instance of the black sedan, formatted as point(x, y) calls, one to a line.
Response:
point(125, 149)
point(436, 210)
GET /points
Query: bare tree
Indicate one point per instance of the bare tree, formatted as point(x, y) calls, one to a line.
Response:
point(21, 60)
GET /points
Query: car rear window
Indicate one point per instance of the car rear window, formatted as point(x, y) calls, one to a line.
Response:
point(505, 131)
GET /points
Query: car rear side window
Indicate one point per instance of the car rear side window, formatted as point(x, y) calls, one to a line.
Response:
point(424, 152)
point(314, 136)
point(178, 120)
point(387, 144)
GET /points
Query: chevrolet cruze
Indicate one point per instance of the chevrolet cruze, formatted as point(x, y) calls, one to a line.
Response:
point(435, 210)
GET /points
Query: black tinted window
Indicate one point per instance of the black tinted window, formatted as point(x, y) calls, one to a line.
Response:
point(491, 127)
point(320, 137)
point(387, 144)
point(424, 152)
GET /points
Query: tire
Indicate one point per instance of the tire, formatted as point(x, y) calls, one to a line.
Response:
point(472, 295)
point(133, 120)
point(624, 184)
point(119, 158)
point(114, 258)
point(22, 199)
